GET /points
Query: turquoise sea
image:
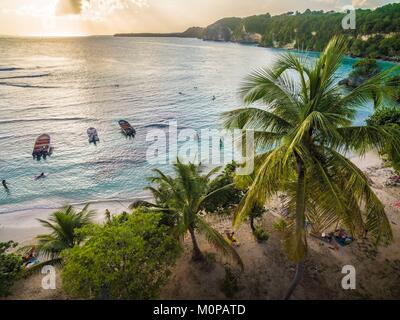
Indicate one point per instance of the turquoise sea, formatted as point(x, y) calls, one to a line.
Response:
point(64, 86)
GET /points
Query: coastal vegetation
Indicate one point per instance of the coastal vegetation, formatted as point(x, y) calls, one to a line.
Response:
point(10, 267)
point(229, 285)
point(64, 225)
point(183, 197)
point(377, 32)
point(304, 125)
point(230, 193)
point(127, 258)
point(375, 36)
point(306, 130)
point(395, 83)
point(193, 32)
point(362, 70)
point(388, 117)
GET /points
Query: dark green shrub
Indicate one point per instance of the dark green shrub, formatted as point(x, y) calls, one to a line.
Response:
point(226, 200)
point(365, 68)
point(229, 285)
point(389, 116)
point(209, 261)
point(129, 258)
point(257, 212)
point(261, 235)
point(10, 267)
point(280, 225)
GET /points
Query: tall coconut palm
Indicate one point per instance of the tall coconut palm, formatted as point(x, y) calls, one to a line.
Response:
point(182, 196)
point(63, 225)
point(304, 123)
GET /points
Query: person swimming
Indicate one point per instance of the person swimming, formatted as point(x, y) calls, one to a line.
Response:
point(4, 183)
point(214, 97)
point(40, 176)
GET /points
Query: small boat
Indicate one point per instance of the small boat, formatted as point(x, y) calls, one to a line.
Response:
point(126, 128)
point(42, 147)
point(92, 135)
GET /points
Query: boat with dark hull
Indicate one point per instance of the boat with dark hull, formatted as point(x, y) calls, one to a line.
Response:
point(92, 135)
point(126, 128)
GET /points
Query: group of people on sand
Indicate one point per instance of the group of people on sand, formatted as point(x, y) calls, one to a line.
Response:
point(5, 183)
point(339, 237)
point(30, 258)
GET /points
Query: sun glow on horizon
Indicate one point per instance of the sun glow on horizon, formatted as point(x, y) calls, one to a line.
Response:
point(65, 18)
point(57, 35)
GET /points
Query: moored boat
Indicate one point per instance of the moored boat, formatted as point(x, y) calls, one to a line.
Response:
point(42, 147)
point(92, 135)
point(126, 128)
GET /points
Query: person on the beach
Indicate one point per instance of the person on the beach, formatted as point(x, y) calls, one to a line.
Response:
point(231, 238)
point(4, 183)
point(108, 216)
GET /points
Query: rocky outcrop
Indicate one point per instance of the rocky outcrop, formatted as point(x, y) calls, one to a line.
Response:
point(218, 32)
point(193, 32)
point(353, 82)
point(230, 29)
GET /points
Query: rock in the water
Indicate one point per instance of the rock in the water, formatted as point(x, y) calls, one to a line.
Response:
point(353, 82)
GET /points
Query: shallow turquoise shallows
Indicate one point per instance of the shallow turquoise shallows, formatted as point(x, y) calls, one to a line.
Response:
point(64, 86)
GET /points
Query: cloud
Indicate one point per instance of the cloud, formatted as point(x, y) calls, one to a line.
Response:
point(366, 3)
point(68, 7)
point(96, 8)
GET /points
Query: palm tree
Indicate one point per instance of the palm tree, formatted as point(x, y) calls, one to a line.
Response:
point(63, 225)
point(305, 130)
point(182, 197)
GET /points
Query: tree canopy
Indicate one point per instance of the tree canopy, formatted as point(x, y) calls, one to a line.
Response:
point(376, 34)
point(10, 267)
point(126, 258)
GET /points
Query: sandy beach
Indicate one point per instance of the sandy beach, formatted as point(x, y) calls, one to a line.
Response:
point(22, 226)
point(267, 271)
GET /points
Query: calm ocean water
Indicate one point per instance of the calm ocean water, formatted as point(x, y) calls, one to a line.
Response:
point(63, 86)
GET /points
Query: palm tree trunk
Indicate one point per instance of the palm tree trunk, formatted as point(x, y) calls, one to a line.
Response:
point(300, 223)
point(296, 280)
point(197, 255)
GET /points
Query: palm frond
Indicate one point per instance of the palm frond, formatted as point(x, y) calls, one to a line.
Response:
point(218, 241)
point(271, 174)
point(376, 222)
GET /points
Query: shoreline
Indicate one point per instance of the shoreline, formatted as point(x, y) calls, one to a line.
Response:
point(388, 59)
point(268, 271)
point(258, 282)
point(59, 204)
point(22, 226)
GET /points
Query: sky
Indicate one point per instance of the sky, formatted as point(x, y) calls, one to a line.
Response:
point(91, 17)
